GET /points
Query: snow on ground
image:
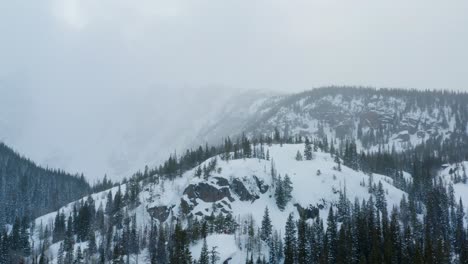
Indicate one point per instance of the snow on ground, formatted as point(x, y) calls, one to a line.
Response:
point(309, 188)
point(225, 246)
point(458, 170)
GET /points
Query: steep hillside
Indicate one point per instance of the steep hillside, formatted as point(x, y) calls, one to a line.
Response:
point(457, 176)
point(238, 189)
point(374, 117)
point(27, 190)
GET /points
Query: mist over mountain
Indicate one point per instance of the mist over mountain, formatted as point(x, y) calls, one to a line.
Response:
point(120, 133)
point(97, 133)
point(227, 132)
point(308, 172)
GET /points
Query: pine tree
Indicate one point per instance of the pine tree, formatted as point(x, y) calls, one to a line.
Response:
point(214, 255)
point(69, 241)
point(266, 229)
point(246, 147)
point(290, 241)
point(58, 232)
point(288, 188)
point(198, 172)
point(206, 172)
point(277, 135)
point(69, 256)
point(307, 150)
point(298, 156)
point(303, 256)
point(24, 237)
point(109, 203)
point(204, 255)
point(79, 256)
point(342, 250)
point(92, 247)
point(43, 259)
point(394, 248)
point(332, 236)
point(279, 194)
point(459, 228)
point(60, 255)
point(380, 201)
point(272, 253)
point(117, 256)
point(180, 253)
point(161, 255)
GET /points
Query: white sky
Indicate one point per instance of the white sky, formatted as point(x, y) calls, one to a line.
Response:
point(282, 45)
point(75, 72)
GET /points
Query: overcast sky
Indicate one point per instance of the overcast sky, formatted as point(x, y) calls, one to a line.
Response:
point(282, 45)
point(81, 76)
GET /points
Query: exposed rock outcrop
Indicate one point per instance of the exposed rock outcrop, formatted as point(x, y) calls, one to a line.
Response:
point(161, 213)
point(207, 192)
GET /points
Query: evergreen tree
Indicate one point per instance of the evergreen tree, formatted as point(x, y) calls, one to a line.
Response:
point(180, 253)
point(60, 256)
point(117, 255)
point(298, 156)
point(460, 235)
point(280, 194)
point(214, 255)
point(288, 188)
point(198, 172)
point(290, 241)
point(43, 258)
point(272, 253)
point(69, 241)
point(79, 256)
point(204, 255)
point(307, 150)
point(303, 256)
point(92, 247)
point(332, 236)
point(161, 255)
point(380, 200)
point(266, 229)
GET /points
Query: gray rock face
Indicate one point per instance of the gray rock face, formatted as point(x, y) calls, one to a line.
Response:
point(263, 188)
point(308, 213)
point(207, 193)
point(219, 192)
point(221, 181)
point(239, 188)
point(161, 213)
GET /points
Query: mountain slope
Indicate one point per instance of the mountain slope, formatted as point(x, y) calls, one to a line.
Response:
point(373, 117)
point(242, 188)
point(31, 191)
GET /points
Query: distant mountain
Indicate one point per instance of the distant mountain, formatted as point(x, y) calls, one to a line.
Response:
point(385, 118)
point(27, 190)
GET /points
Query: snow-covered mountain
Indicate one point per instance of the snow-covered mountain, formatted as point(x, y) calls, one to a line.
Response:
point(242, 188)
point(375, 118)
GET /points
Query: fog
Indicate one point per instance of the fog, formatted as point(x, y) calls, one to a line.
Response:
point(108, 86)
